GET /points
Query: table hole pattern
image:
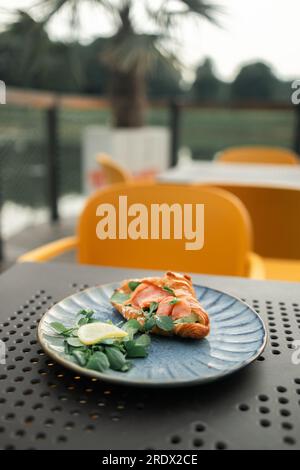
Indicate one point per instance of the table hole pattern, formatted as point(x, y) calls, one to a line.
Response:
point(198, 436)
point(283, 322)
point(43, 404)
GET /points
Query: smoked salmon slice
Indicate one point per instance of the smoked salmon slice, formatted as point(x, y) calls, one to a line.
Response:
point(150, 300)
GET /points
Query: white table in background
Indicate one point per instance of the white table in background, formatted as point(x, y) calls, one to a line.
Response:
point(284, 176)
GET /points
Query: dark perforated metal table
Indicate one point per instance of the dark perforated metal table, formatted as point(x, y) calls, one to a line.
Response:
point(44, 406)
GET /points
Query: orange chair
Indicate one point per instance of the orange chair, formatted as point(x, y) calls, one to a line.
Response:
point(227, 232)
point(275, 215)
point(256, 154)
point(113, 172)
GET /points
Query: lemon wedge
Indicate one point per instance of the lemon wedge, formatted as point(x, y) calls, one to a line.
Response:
point(92, 333)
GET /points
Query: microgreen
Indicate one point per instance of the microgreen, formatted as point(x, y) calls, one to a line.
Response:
point(143, 340)
point(133, 285)
point(169, 290)
point(61, 329)
point(165, 323)
point(108, 353)
point(74, 342)
point(149, 323)
point(80, 357)
point(84, 317)
point(98, 361)
point(119, 297)
point(192, 318)
point(135, 350)
point(131, 327)
point(153, 307)
point(117, 360)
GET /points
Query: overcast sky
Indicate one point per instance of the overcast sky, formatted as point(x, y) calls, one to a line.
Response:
point(252, 30)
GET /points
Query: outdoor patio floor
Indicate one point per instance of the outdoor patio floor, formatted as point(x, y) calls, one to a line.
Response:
point(35, 236)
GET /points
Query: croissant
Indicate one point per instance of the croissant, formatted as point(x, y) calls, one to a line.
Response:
point(172, 295)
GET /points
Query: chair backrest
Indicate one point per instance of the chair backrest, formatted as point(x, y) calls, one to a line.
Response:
point(227, 230)
point(113, 172)
point(275, 215)
point(256, 154)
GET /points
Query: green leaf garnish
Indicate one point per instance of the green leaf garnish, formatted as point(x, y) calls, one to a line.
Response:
point(133, 285)
point(81, 357)
point(61, 329)
point(192, 318)
point(82, 321)
point(131, 327)
point(86, 313)
point(135, 350)
point(143, 340)
point(116, 359)
point(86, 316)
point(109, 353)
point(167, 289)
point(119, 297)
point(74, 342)
point(67, 349)
point(98, 361)
point(149, 323)
point(174, 301)
point(153, 307)
point(164, 323)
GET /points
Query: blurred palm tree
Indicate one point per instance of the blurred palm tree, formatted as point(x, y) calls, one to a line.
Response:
point(29, 58)
point(21, 43)
point(130, 53)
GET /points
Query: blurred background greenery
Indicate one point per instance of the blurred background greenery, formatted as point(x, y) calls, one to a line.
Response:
point(30, 58)
point(76, 68)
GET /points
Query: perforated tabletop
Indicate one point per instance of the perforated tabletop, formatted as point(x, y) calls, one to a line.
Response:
point(44, 406)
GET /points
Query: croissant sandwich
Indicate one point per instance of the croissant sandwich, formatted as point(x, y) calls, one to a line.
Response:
point(150, 300)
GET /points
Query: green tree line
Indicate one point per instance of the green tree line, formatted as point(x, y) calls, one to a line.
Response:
point(77, 68)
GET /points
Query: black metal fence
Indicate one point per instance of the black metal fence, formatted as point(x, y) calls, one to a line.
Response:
point(51, 123)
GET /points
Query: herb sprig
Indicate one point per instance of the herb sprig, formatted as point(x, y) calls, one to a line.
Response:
point(108, 353)
point(164, 322)
point(152, 319)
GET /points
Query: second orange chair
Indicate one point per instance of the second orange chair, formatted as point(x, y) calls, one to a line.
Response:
point(227, 230)
point(258, 154)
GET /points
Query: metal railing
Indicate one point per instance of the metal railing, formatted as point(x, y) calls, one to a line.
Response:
point(50, 105)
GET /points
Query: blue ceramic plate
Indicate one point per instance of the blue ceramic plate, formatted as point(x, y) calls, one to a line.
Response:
point(237, 338)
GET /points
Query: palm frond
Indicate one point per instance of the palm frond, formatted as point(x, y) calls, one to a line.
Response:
point(203, 9)
point(124, 15)
point(132, 52)
point(52, 7)
point(167, 16)
point(29, 34)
